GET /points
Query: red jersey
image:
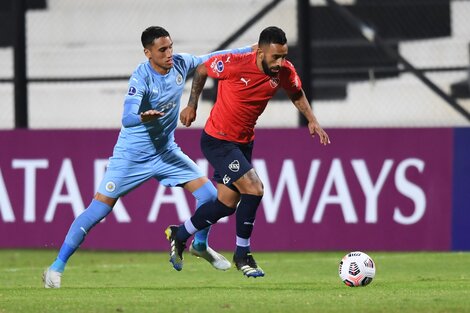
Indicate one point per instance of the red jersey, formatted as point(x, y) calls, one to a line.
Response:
point(243, 93)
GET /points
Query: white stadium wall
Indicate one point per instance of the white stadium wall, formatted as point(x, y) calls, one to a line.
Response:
point(98, 38)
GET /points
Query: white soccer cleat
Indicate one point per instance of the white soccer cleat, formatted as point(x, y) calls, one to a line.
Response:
point(217, 260)
point(51, 278)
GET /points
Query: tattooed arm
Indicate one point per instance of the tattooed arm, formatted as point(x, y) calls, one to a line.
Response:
point(188, 114)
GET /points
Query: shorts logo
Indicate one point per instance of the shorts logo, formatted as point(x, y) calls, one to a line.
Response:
point(132, 91)
point(220, 66)
point(274, 82)
point(226, 179)
point(234, 166)
point(110, 186)
point(179, 79)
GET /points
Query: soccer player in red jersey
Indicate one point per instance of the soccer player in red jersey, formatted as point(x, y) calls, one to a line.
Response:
point(246, 83)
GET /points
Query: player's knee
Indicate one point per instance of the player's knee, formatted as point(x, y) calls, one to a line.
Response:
point(251, 184)
point(253, 187)
point(259, 188)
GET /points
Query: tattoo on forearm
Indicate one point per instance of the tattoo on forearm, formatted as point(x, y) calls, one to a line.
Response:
point(196, 89)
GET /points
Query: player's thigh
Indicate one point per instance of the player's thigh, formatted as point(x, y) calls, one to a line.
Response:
point(175, 168)
point(250, 183)
point(229, 160)
point(123, 175)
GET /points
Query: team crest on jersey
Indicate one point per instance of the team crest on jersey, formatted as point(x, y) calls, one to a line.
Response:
point(234, 166)
point(220, 66)
point(274, 82)
point(110, 186)
point(179, 79)
point(132, 91)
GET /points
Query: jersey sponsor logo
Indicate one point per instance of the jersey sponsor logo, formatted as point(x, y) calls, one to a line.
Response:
point(234, 166)
point(110, 186)
point(245, 80)
point(226, 179)
point(274, 82)
point(220, 66)
point(179, 79)
point(167, 106)
point(132, 91)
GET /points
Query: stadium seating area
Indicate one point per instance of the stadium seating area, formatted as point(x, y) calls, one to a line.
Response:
point(69, 39)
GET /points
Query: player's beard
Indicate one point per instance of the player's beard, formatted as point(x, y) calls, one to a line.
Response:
point(267, 70)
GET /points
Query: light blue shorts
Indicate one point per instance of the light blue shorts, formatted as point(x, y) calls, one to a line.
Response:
point(171, 168)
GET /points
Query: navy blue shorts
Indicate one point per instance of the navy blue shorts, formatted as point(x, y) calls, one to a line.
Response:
point(230, 160)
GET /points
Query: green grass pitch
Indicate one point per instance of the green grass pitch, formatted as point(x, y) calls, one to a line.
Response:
point(294, 282)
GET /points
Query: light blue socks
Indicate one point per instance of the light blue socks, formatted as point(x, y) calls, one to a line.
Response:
point(80, 227)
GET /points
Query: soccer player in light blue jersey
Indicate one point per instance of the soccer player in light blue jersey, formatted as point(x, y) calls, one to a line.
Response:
point(146, 147)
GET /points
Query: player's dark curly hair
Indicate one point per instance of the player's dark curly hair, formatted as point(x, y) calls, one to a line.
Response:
point(152, 33)
point(272, 34)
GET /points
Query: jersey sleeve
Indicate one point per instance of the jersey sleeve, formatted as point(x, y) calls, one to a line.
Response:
point(291, 81)
point(241, 50)
point(218, 66)
point(193, 61)
point(135, 93)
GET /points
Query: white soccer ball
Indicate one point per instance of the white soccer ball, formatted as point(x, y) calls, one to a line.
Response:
point(356, 269)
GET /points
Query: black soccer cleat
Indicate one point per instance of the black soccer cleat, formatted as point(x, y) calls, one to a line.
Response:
point(176, 247)
point(248, 266)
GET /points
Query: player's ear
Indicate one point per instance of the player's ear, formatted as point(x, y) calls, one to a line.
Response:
point(260, 53)
point(147, 53)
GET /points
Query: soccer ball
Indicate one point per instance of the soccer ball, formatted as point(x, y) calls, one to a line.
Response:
point(356, 269)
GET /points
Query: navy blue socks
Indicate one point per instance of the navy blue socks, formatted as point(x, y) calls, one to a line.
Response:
point(206, 193)
point(246, 215)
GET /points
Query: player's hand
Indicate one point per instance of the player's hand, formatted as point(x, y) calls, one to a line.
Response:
point(314, 129)
point(188, 116)
point(150, 115)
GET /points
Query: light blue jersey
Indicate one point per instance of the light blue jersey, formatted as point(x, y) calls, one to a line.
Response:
point(149, 90)
point(141, 147)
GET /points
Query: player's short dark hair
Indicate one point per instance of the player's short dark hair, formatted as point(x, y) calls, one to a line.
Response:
point(272, 34)
point(152, 33)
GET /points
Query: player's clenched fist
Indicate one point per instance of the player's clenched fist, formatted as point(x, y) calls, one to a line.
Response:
point(188, 116)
